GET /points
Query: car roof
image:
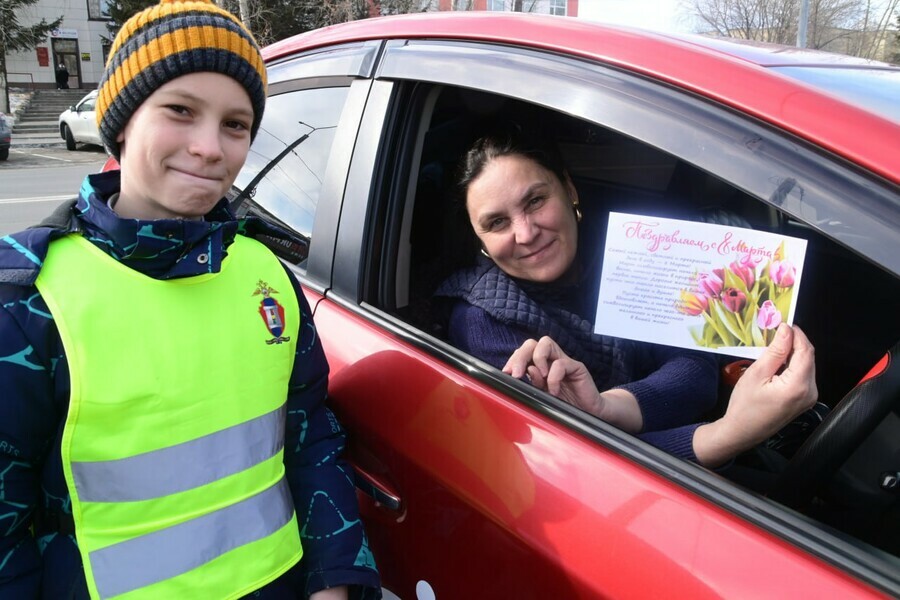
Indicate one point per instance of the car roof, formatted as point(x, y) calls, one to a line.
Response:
point(731, 72)
point(777, 55)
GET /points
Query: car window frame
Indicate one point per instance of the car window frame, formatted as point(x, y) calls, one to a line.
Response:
point(376, 176)
point(346, 65)
point(663, 110)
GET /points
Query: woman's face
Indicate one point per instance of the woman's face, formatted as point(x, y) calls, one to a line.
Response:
point(523, 215)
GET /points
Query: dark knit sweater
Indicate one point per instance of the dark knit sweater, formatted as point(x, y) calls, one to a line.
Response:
point(491, 314)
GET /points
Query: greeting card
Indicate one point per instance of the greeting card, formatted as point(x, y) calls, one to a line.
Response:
point(697, 285)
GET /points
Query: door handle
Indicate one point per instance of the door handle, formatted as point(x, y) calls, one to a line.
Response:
point(378, 490)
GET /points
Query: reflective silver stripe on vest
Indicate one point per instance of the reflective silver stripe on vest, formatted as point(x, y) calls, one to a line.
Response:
point(183, 466)
point(163, 554)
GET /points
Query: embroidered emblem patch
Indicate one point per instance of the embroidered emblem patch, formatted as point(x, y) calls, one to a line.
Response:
point(271, 312)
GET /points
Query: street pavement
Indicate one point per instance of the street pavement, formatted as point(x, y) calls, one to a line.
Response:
point(35, 180)
point(46, 155)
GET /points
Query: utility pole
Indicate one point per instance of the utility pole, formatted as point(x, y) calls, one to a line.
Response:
point(804, 21)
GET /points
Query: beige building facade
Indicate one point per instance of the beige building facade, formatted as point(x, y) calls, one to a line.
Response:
point(79, 43)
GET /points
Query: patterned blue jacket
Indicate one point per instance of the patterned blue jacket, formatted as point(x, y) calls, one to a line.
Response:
point(38, 552)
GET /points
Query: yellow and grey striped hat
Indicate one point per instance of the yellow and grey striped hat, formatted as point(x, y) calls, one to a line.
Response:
point(166, 41)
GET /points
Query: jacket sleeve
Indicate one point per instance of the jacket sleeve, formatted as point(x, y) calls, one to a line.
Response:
point(680, 387)
point(27, 425)
point(335, 548)
point(678, 442)
point(473, 330)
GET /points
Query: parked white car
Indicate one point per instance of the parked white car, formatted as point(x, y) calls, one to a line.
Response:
point(78, 123)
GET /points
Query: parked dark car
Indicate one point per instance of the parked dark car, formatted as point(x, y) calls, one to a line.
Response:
point(476, 485)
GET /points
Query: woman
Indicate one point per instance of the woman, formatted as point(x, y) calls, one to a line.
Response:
point(535, 283)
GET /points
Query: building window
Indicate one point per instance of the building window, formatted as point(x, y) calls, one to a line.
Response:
point(98, 9)
point(558, 7)
point(498, 5)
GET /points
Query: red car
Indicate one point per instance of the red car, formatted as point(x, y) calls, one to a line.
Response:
point(476, 485)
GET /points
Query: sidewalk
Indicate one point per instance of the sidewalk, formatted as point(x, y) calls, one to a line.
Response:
point(36, 140)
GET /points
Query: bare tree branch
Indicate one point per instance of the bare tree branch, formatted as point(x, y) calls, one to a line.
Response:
point(857, 27)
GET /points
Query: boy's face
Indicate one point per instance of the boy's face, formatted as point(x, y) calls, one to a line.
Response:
point(183, 147)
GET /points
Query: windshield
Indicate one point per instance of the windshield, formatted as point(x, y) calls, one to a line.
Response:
point(876, 90)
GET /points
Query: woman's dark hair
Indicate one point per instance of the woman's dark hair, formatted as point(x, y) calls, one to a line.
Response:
point(509, 139)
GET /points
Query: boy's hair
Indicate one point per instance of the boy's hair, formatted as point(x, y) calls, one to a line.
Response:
point(166, 41)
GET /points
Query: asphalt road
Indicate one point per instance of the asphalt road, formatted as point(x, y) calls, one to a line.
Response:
point(34, 181)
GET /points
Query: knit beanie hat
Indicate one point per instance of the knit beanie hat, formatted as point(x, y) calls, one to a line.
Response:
point(166, 41)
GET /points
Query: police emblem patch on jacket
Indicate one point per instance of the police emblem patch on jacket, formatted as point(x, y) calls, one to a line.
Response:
point(271, 312)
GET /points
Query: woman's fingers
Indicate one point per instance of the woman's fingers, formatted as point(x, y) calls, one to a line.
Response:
point(546, 352)
point(556, 375)
point(800, 373)
point(536, 378)
point(538, 353)
point(520, 360)
point(553, 371)
point(786, 369)
point(772, 359)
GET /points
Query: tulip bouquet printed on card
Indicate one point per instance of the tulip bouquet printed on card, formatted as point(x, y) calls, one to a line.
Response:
point(741, 303)
point(697, 285)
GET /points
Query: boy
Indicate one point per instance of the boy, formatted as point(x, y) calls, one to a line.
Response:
point(161, 382)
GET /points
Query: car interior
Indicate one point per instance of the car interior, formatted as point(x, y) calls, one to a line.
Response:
point(838, 303)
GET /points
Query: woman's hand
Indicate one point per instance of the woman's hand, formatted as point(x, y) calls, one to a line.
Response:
point(552, 370)
point(764, 400)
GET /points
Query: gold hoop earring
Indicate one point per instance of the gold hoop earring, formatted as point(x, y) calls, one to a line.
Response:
point(573, 195)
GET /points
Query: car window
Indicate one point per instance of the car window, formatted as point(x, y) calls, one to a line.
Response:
point(285, 168)
point(87, 104)
point(617, 173)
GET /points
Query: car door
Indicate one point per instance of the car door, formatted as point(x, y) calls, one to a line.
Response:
point(474, 484)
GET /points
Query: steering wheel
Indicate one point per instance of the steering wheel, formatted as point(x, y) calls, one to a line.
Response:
point(831, 443)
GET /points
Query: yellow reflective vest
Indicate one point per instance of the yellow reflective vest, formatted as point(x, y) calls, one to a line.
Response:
point(173, 443)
